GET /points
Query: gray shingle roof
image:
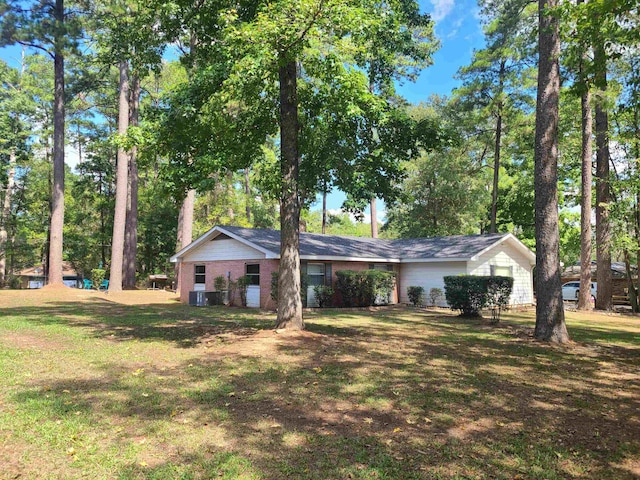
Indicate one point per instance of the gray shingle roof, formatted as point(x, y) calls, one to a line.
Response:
point(313, 244)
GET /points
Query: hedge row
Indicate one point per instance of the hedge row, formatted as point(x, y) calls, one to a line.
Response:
point(472, 293)
point(363, 288)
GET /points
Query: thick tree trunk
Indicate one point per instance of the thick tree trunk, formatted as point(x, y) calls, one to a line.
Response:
point(57, 193)
point(584, 299)
point(6, 214)
point(122, 171)
point(289, 299)
point(131, 226)
point(550, 325)
point(185, 229)
point(603, 193)
point(497, 152)
point(374, 218)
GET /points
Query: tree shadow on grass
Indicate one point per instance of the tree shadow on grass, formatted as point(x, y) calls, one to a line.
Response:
point(428, 399)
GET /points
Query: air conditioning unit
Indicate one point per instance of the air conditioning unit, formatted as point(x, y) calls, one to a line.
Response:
point(197, 299)
point(214, 298)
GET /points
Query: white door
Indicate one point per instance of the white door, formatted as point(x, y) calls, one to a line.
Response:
point(311, 297)
point(253, 296)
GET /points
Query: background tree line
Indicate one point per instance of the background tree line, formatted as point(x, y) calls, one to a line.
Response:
point(183, 115)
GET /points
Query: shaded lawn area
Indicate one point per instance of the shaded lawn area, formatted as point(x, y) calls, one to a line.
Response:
point(137, 386)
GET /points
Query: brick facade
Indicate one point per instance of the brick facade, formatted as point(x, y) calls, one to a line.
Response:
point(237, 268)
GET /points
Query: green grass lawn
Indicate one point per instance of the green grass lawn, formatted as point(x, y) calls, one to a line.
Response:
point(139, 386)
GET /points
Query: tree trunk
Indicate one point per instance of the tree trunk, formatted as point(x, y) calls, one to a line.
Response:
point(324, 211)
point(374, 218)
point(6, 214)
point(131, 226)
point(584, 298)
point(603, 193)
point(185, 229)
point(289, 299)
point(57, 193)
point(550, 325)
point(247, 194)
point(497, 152)
point(122, 170)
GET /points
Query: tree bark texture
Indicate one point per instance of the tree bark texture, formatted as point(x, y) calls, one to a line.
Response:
point(603, 192)
point(185, 229)
point(6, 214)
point(497, 152)
point(122, 171)
point(289, 298)
point(131, 225)
point(374, 218)
point(57, 193)
point(550, 324)
point(584, 298)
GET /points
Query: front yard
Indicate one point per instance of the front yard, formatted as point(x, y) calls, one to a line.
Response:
point(138, 386)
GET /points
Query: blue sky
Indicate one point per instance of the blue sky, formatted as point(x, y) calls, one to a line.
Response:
point(459, 31)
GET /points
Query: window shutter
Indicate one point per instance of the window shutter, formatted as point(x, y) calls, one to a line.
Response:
point(327, 274)
point(303, 268)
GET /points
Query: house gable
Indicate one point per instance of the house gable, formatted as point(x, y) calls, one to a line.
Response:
point(222, 249)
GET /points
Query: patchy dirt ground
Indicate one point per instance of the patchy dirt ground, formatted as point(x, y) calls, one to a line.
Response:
point(135, 385)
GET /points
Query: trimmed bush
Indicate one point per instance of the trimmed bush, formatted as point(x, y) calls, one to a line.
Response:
point(471, 293)
point(434, 294)
point(498, 292)
point(416, 295)
point(363, 288)
point(323, 294)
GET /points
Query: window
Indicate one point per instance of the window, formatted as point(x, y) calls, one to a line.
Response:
point(315, 274)
point(501, 271)
point(200, 274)
point(385, 267)
point(253, 272)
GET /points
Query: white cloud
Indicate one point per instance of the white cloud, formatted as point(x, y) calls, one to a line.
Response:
point(441, 8)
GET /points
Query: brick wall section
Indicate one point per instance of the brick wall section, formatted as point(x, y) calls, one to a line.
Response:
point(237, 268)
point(267, 267)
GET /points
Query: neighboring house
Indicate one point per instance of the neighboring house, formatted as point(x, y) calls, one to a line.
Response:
point(34, 277)
point(236, 251)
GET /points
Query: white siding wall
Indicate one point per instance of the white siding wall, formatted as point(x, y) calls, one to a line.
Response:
point(428, 276)
point(506, 255)
point(225, 249)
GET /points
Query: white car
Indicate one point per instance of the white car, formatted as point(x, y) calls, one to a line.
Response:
point(571, 290)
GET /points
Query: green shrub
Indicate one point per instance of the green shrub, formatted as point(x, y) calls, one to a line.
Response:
point(362, 288)
point(415, 294)
point(243, 282)
point(220, 283)
point(323, 294)
point(97, 276)
point(434, 294)
point(471, 293)
point(498, 292)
